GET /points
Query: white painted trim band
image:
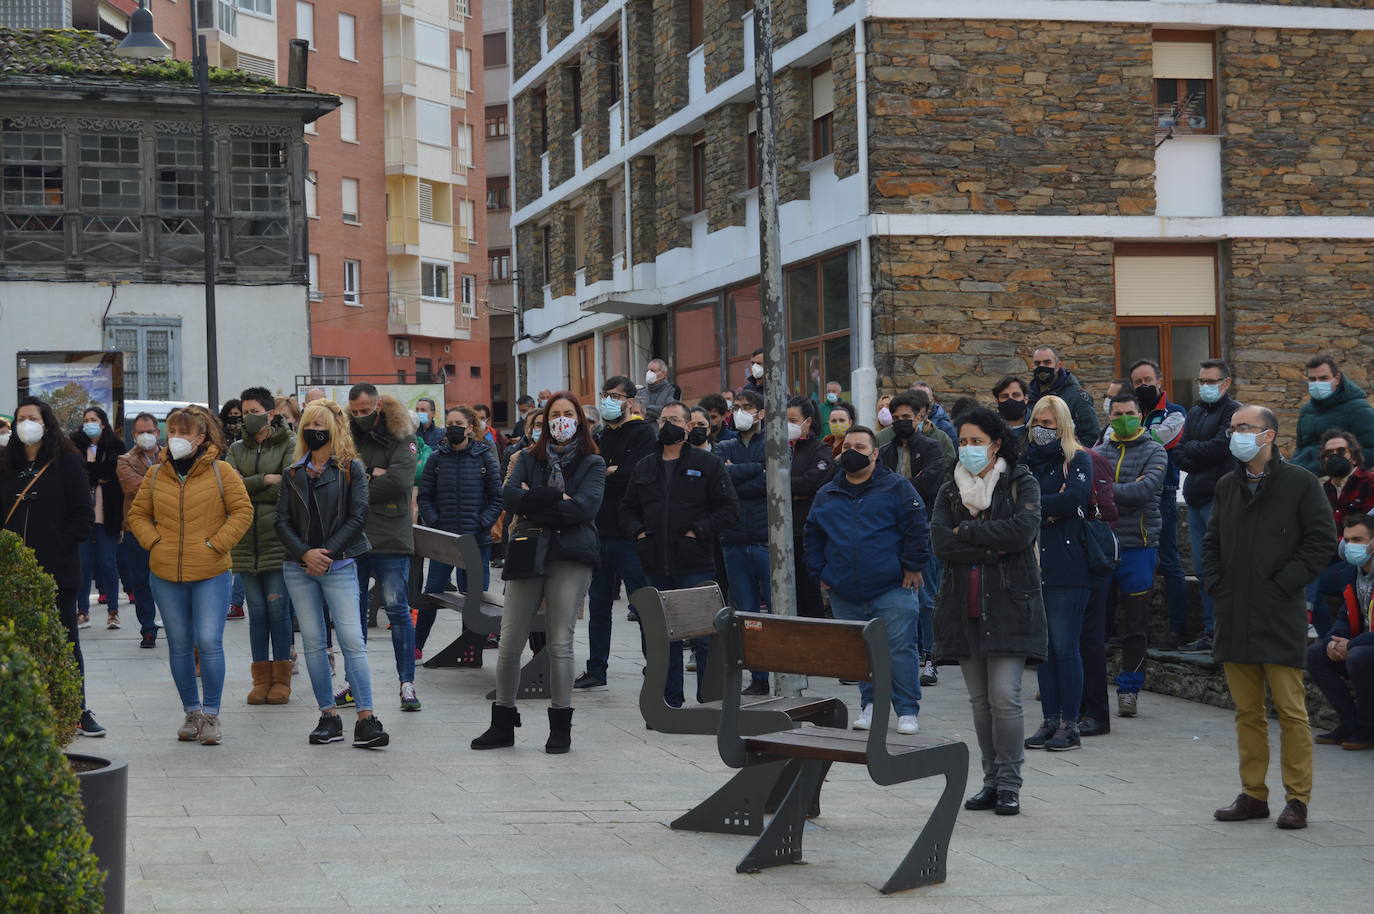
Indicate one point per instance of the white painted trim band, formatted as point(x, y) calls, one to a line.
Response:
point(1145, 12)
point(1135, 228)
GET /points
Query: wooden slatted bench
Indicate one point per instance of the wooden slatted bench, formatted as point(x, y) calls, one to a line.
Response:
point(843, 650)
point(481, 612)
point(738, 807)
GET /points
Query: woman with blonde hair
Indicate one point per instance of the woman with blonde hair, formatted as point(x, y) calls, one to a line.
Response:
point(321, 512)
point(1064, 471)
point(289, 411)
point(190, 511)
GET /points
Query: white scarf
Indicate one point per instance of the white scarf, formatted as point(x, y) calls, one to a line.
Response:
point(976, 491)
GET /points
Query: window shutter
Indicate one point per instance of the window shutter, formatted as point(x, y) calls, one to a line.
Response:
point(426, 201)
point(258, 66)
point(1165, 286)
point(822, 94)
point(350, 198)
point(1183, 60)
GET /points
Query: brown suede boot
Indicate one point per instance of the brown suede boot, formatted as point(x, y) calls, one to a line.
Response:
point(262, 682)
point(280, 692)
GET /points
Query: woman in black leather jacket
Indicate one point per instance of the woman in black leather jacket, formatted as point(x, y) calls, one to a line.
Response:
point(321, 511)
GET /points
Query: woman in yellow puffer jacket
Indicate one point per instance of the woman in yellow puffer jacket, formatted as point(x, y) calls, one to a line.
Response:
point(190, 511)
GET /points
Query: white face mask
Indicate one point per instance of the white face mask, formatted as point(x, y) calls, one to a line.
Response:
point(5, 438)
point(29, 431)
point(146, 440)
point(743, 421)
point(756, 369)
point(650, 377)
point(794, 431)
point(180, 447)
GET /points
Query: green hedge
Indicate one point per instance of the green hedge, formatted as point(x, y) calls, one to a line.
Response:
point(46, 864)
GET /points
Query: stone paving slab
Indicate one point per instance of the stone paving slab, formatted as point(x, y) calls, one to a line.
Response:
point(267, 823)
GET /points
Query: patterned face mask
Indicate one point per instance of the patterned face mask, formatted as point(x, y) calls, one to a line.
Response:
point(563, 428)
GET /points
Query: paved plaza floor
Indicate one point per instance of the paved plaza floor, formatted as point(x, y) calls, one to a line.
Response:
point(266, 822)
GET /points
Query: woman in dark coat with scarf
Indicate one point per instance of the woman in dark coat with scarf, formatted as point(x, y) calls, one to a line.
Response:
point(101, 448)
point(989, 614)
point(812, 467)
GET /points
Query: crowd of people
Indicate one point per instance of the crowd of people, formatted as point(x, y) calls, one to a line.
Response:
point(989, 535)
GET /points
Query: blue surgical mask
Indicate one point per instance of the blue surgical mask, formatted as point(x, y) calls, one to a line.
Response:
point(1356, 554)
point(832, 398)
point(974, 457)
point(92, 430)
point(536, 433)
point(1209, 393)
point(1244, 446)
point(422, 418)
point(1319, 390)
point(611, 408)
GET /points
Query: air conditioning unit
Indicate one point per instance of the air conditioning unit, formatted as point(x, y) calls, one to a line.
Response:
point(401, 347)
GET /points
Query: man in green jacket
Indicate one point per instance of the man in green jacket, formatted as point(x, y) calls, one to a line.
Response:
point(384, 436)
point(1271, 533)
point(1335, 402)
point(261, 456)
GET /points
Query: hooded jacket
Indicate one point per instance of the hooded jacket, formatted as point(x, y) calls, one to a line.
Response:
point(1138, 523)
point(744, 462)
point(461, 489)
point(622, 446)
point(1066, 387)
point(388, 445)
point(699, 498)
point(260, 550)
point(1346, 408)
point(928, 463)
point(1205, 452)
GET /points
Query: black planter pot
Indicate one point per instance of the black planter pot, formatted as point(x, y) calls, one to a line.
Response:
point(105, 798)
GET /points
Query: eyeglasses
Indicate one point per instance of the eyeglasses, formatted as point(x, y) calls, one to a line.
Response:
point(1209, 381)
point(610, 395)
point(1244, 429)
point(1340, 451)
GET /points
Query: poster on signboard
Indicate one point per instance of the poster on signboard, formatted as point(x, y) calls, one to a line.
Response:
point(71, 382)
point(408, 394)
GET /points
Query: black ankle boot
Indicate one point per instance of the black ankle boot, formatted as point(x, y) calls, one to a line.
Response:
point(501, 733)
point(560, 731)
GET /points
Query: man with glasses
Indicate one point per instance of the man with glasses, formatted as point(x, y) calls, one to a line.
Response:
point(1204, 454)
point(624, 440)
point(1271, 533)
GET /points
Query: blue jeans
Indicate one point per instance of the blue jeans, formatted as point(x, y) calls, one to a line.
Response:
point(193, 616)
point(268, 617)
point(898, 610)
point(1061, 675)
point(747, 569)
point(99, 561)
point(1198, 518)
point(925, 629)
point(339, 591)
point(619, 559)
point(391, 572)
point(1171, 563)
point(438, 576)
point(236, 592)
point(672, 689)
point(136, 580)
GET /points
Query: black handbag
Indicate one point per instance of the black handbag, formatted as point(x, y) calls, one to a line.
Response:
point(1104, 551)
point(527, 554)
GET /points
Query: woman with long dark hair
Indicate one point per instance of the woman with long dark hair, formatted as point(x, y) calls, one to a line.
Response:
point(812, 468)
point(45, 497)
point(553, 492)
point(101, 447)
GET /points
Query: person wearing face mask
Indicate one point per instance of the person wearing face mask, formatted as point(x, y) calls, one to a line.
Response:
point(753, 380)
point(1343, 662)
point(1114, 387)
point(102, 448)
point(554, 491)
point(189, 513)
point(230, 418)
point(1140, 464)
point(524, 406)
point(1271, 532)
point(1334, 401)
point(624, 440)
point(1013, 403)
point(460, 492)
point(834, 395)
point(45, 498)
point(841, 421)
point(678, 502)
point(1051, 377)
point(657, 390)
point(261, 456)
point(1204, 454)
point(486, 430)
point(6, 430)
point(866, 542)
point(427, 423)
point(699, 429)
point(991, 616)
point(132, 467)
point(812, 467)
point(1349, 489)
point(718, 409)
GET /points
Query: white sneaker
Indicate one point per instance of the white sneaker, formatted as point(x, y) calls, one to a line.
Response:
point(864, 720)
point(1311, 632)
point(907, 724)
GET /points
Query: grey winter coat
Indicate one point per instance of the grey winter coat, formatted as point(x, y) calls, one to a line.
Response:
point(1140, 466)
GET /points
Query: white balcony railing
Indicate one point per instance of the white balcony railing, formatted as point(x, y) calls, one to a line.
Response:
point(577, 150)
point(616, 126)
point(544, 171)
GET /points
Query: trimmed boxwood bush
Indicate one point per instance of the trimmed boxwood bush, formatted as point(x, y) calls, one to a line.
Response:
point(46, 864)
point(28, 600)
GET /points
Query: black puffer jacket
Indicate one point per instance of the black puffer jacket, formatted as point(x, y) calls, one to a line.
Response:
point(622, 448)
point(1205, 453)
point(102, 473)
point(1001, 544)
point(460, 490)
point(55, 517)
point(342, 507)
point(812, 467)
point(572, 520)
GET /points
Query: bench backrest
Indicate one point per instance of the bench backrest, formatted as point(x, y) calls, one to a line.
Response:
point(673, 615)
point(691, 612)
point(815, 647)
point(458, 550)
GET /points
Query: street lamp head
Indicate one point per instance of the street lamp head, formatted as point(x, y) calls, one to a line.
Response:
point(141, 41)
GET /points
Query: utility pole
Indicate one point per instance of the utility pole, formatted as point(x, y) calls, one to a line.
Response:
point(778, 455)
point(200, 62)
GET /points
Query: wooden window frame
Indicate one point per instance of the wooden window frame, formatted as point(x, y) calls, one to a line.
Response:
point(497, 115)
point(696, 24)
point(823, 127)
point(575, 78)
point(796, 348)
point(699, 176)
point(1213, 112)
point(751, 147)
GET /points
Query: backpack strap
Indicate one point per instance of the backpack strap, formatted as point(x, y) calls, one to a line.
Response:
point(218, 481)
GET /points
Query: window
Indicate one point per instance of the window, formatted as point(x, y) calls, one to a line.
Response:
point(432, 122)
point(751, 144)
point(462, 67)
point(698, 173)
point(618, 219)
point(349, 188)
point(465, 219)
point(263, 7)
point(424, 371)
point(111, 177)
point(426, 200)
point(305, 22)
point(33, 169)
point(178, 175)
point(494, 49)
point(434, 280)
point(352, 282)
point(467, 301)
point(499, 265)
point(348, 37)
point(579, 237)
point(258, 188)
point(1184, 81)
point(431, 45)
point(348, 119)
point(328, 369)
point(696, 355)
point(498, 193)
point(822, 111)
point(465, 145)
point(541, 101)
point(462, 9)
point(312, 207)
point(696, 23)
point(818, 298)
point(152, 355)
point(546, 251)
point(497, 123)
point(575, 80)
point(615, 352)
point(1166, 310)
point(314, 288)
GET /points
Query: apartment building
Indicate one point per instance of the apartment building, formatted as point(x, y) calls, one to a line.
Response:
point(500, 293)
point(1172, 180)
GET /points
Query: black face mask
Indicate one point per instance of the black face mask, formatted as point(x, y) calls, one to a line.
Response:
point(367, 422)
point(455, 435)
point(853, 462)
point(1015, 410)
point(904, 428)
point(1338, 467)
point(671, 434)
point(1045, 375)
point(1148, 395)
point(315, 438)
point(253, 423)
point(697, 436)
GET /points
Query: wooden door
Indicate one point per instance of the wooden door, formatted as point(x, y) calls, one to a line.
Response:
point(581, 369)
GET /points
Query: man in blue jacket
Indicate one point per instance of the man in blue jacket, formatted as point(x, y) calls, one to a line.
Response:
point(745, 545)
point(867, 541)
